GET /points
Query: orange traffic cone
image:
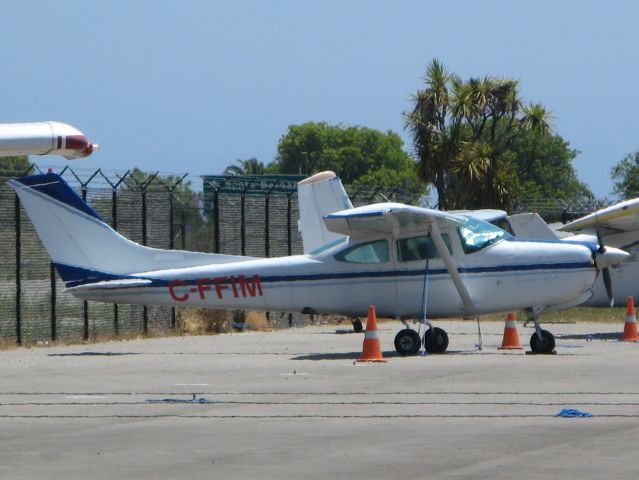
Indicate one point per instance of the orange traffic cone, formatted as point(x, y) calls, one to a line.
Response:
point(630, 327)
point(372, 349)
point(511, 335)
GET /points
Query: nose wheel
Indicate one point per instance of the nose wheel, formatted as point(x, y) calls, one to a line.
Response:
point(408, 341)
point(542, 341)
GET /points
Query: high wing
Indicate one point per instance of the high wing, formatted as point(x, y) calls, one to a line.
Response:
point(395, 219)
point(487, 215)
point(390, 218)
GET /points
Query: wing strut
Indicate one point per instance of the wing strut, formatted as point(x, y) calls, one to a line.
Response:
point(452, 269)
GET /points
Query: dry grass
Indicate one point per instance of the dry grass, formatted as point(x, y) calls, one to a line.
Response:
point(203, 321)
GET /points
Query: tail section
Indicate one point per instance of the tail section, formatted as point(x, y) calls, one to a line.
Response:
point(82, 246)
point(318, 196)
point(531, 225)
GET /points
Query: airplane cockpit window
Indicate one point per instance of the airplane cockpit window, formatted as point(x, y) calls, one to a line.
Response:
point(420, 248)
point(476, 234)
point(328, 246)
point(369, 252)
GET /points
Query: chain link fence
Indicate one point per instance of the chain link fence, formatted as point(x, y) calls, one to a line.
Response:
point(151, 209)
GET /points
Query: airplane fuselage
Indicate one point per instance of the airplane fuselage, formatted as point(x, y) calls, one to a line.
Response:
point(550, 273)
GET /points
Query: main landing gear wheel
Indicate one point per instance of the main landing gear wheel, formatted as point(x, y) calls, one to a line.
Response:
point(545, 344)
point(357, 325)
point(407, 342)
point(435, 340)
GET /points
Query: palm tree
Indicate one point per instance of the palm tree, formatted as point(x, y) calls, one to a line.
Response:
point(252, 166)
point(538, 120)
point(462, 133)
point(436, 142)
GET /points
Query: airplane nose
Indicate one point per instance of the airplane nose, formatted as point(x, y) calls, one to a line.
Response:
point(611, 256)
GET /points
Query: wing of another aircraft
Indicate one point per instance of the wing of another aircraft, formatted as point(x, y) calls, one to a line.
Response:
point(621, 217)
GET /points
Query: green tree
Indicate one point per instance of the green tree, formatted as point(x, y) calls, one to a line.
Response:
point(462, 132)
point(356, 154)
point(625, 174)
point(544, 165)
point(252, 166)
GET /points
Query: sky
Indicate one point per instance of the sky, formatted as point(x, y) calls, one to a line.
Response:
point(191, 86)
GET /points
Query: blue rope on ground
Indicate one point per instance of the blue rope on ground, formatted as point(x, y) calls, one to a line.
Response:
point(573, 413)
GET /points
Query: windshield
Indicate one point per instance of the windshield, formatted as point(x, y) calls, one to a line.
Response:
point(476, 234)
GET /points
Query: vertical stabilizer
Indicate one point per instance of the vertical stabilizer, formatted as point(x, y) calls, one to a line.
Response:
point(530, 225)
point(82, 246)
point(319, 195)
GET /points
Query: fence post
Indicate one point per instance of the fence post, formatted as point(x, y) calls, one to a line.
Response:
point(145, 310)
point(289, 213)
point(84, 185)
point(242, 223)
point(18, 271)
point(267, 227)
point(216, 219)
point(114, 224)
point(143, 188)
point(171, 190)
point(114, 218)
point(85, 304)
point(54, 333)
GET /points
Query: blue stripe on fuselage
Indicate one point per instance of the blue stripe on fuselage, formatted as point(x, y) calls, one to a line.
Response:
point(78, 276)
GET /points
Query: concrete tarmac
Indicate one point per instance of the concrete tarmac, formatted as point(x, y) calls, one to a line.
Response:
point(293, 404)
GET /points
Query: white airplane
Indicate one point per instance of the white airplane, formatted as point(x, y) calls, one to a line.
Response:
point(617, 225)
point(43, 138)
point(410, 262)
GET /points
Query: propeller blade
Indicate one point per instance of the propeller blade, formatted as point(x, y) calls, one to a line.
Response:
point(606, 271)
point(608, 284)
point(601, 248)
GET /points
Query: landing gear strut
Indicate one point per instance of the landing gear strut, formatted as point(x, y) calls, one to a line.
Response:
point(542, 341)
point(408, 341)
